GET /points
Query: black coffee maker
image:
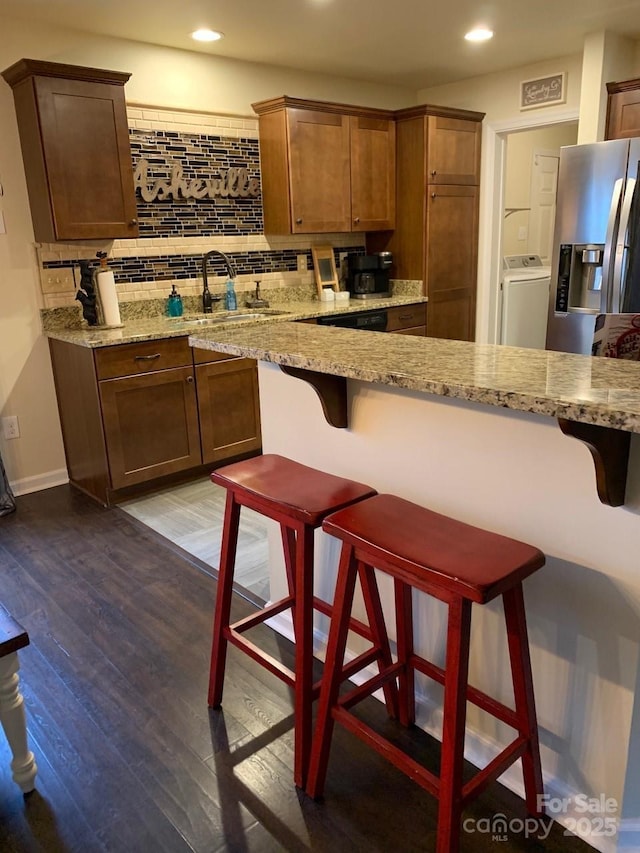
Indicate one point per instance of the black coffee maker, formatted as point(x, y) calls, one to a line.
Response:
point(368, 275)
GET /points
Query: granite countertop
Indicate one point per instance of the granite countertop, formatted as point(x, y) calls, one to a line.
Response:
point(159, 326)
point(600, 391)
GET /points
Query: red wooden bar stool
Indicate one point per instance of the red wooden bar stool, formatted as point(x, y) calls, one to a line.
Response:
point(457, 564)
point(298, 498)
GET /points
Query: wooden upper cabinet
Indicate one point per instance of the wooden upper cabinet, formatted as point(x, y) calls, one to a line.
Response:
point(373, 177)
point(325, 167)
point(319, 159)
point(623, 110)
point(453, 151)
point(75, 147)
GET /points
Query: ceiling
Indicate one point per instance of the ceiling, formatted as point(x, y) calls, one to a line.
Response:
point(412, 43)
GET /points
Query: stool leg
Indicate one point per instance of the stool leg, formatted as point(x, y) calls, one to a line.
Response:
point(14, 724)
point(289, 550)
point(455, 710)
point(223, 600)
point(371, 596)
point(404, 630)
point(338, 632)
point(303, 630)
point(523, 691)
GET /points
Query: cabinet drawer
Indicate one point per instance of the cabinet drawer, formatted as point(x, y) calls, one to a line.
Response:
point(143, 357)
point(406, 317)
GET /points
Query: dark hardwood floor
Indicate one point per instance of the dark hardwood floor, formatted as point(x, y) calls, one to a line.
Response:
point(131, 759)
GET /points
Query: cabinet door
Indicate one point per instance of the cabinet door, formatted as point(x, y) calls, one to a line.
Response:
point(319, 171)
point(229, 408)
point(623, 114)
point(85, 141)
point(453, 151)
point(373, 174)
point(151, 425)
point(452, 236)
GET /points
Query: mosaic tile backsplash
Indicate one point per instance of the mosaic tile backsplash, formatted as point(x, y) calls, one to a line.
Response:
point(175, 232)
point(199, 157)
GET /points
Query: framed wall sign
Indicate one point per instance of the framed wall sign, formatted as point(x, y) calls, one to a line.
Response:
point(543, 91)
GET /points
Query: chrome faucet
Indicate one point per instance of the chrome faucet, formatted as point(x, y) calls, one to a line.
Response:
point(207, 298)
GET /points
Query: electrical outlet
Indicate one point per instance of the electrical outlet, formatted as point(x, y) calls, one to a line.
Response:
point(10, 428)
point(302, 263)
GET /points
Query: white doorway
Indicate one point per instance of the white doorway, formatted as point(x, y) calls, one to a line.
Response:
point(506, 224)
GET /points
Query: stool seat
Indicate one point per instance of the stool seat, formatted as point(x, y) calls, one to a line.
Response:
point(467, 560)
point(284, 487)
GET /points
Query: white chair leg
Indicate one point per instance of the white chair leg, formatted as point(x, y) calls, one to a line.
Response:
point(13, 721)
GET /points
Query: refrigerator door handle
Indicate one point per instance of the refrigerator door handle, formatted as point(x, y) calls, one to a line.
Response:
point(618, 263)
point(610, 239)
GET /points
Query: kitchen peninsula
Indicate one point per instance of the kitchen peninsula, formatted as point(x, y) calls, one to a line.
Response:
point(469, 430)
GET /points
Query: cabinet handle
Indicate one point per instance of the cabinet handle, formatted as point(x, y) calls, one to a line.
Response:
point(133, 222)
point(406, 316)
point(298, 221)
point(189, 378)
point(147, 357)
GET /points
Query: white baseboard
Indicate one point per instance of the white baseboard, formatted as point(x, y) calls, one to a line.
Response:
point(479, 751)
point(42, 481)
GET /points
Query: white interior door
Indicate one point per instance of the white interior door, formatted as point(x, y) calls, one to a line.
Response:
point(544, 183)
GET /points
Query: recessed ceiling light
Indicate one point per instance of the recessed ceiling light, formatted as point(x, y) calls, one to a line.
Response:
point(206, 35)
point(479, 34)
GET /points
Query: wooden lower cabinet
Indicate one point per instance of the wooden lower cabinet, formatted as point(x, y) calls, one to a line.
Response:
point(451, 261)
point(127, 425)
point(228, 408)
point(151, 425)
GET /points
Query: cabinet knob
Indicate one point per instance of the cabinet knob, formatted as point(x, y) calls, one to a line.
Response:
point(189, 379)
point(298, 221)
point(357, 220)
point(133, 222)
point(433, 173)
point(434, 195)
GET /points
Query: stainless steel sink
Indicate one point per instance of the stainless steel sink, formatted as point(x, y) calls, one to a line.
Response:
point(215, 319)
point(230, 318)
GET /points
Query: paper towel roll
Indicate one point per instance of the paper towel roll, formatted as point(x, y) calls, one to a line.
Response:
point(108, 298)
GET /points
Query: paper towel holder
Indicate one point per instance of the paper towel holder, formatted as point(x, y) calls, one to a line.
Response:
point(107, 298)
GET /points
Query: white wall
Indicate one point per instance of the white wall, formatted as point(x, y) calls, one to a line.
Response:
point(160, 77)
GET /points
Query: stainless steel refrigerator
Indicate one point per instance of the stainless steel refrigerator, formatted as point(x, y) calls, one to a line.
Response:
point(595, 265)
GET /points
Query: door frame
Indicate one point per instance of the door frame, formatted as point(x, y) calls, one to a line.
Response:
point(491, 213)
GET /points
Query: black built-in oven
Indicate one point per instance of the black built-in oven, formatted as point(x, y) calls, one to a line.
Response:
point(373, 321)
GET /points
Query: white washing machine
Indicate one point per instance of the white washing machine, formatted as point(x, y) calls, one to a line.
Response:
point(525, 301)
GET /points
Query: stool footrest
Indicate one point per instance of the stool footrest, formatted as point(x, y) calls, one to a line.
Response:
point(477, 697)
point(262, 615)
point(348, 700)
point(483, 778)
point(392, 753)
point(260, 656)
